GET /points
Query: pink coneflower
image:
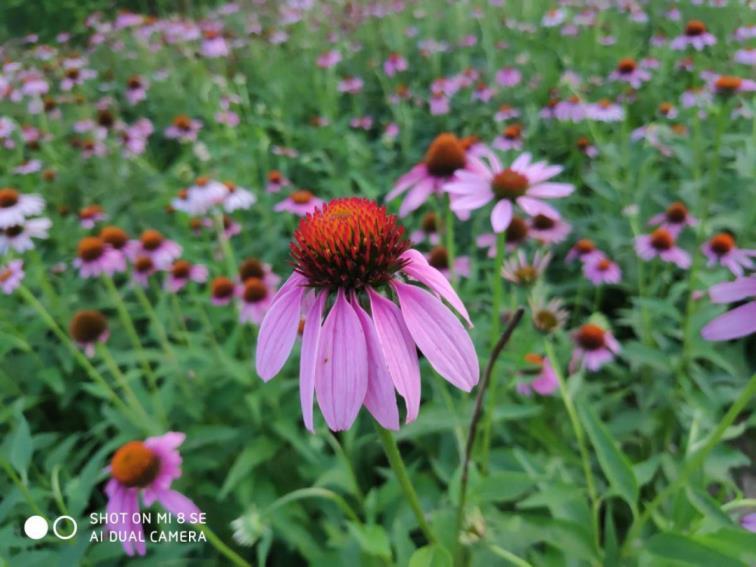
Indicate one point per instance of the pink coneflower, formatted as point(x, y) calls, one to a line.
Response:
point(19, 237)
point(571, 110)
point(519, 270)
point(605, 111)
point(181, 273)
point(213, 44)
point(628, 71)
point(222, 290)
point(136, 89)
point(394, 64)
point(350, 85)
point(89, 216)
point(328, 59)
point(721, 249)
point(746, 56)
point(445, 158)
point(347, 251)
point(506, 112)
point(15, 206)
point(276, 181)
point(255, 298)
point(254, 268)
point(585, 147)
point(730, 84)
point(11, 276)
point(601, 270)
point(482, 92)
point(739, 322)
point(523, 183)
point(667, 110)
point(183, 128)
point(548, 229)
point(28, 167)
point(594, 347)
point(674, 219)
point(154, 245)
point(301, 202)
point(508, 77)
point(237, 198)
point(584, 250)
point(509, 139)
point(74, 76)
point(94, 257)
point(438, 258)
point(748, 522)
point(428, 230)
point(439, 103)
point(148, 469)
point(88, 328)
point(143, 268)
point(553, 18)
point(115, 237)
point(201, 197)
point(662, 243)
point(545, 382)
point(516, 233)
point(695, 36)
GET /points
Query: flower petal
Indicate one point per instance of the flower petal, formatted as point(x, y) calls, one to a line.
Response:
point(341, 371)
point(176, 503)
point(416, 197)
point(399, 351)
point(417, 267)
point(535, 207)
point(279, 329)
point(308, 357)
point(740, 322)
point(501, 215)
point(551, 190)
point(380, 399)
point(726, 292)
point(439, 335)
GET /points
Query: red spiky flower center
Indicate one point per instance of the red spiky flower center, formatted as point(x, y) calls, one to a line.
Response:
point(348, 244)
point(135, 465)
point(590, 337)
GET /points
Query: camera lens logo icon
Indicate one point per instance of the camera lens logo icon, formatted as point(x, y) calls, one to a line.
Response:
point(36, 527)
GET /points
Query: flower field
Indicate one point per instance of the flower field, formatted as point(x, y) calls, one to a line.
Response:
point(394, 282)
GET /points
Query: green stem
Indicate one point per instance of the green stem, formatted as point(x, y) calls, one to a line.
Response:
point(314, 492)
point(222, 548)
point(225, 245)
point(498, 287)
point(400, 471)
point(147, 306)
point(131, 331)
point(449, 233)
point(22, 488)
point(695, 461)
point(579, 435)
point(509, 556)
point(123, 382)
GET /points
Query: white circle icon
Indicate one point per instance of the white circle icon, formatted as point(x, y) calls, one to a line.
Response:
point(35, 527)
point(55, 527)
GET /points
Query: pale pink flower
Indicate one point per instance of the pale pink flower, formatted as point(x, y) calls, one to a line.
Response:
point(300, 203)
point(20, 237)
point(11, 276)
point(601, 270)
point(721, 249)
point(394, 64)
point(739, 322)
point(662, 243)
point(594, 347)
point(545, 382)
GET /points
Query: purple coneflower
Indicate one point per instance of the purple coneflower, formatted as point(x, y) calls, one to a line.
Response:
point(276, 181)
point(222, 291)
point(94, 257)
point(19, 237)
point(509, 139)
point(438, 258)
point(182, 272)
point(695, 36)
point(594, 347)
point(721, 249)
point(628, 71)
point(146, 468)
point(237, 197)
point(11, 276)
point(545, 382)
point(183, 128)
point(89, 327)
point(15, 206)
point(519, 270)
point(90, 215)
point(739, 322)
point(394, 64)
point(428, 230)
point(136, 89)
point(601, 270)
point(674, 219)
point(548, 229)
point(301, 202)
point(523, 183)
point(255, 300)
point(584, 250)
point(662, 243)
point(345, 254)
point(155, 246)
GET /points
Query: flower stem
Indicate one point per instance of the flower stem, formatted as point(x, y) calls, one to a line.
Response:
point(83, 361)
point(128, 324)
point(449, 232)
point(509, 556)
point(498, 287)
point(225, 244)
point(222, 548)
point(315, 492)
point(696, 460)
point(579, 435)
point(477, 414)
point(400, 471)
point(147, 306)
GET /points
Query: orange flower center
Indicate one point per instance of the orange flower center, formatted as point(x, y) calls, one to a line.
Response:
point(134, 82)
point(151, 239)
point(509, 184)
point(90, 248)
point(445, 155)
point(439, 258)
point(513, 132)
point(590, 337)
point(251, 268)
point(626, 65)
point(182, 122)
point(87, 326)
point(181, 269)
point(603, 265)
point(255, 290)
point(275, 176)
point(728, 83)
point(722, 243)
point(143, 264)
point(584, 246)
point(8, 197)
point(665, 108)
point(90, 212)
point(534, 358)
point(116, 237)
point(661, 239)
point(5, 275)
point(694, 28)
point(677, 213)
point(222, 288)
point(135, 465)
point(302, 196)
point(542, 222)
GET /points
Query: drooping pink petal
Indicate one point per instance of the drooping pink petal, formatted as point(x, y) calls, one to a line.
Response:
point(380, 399)
point(551, 190)
point(439, 335)
point(740, 322)
point(308, 357)
point(522, 161)
point(727, 292)
point(501, 215)
point(470, 202)
point(407, 180)
point(398, 351)
point(341, 372)
point(279, 329)
point(176, 503)
point(417, 267)
point(535, 207)
point(543, 172)
point(416, 197)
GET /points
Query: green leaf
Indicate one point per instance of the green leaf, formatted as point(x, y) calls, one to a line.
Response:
point(431, 556)
point(373, 539)
point(503, 486)
point(688, 551)
point(709, 507)
point(258, 452)
point(21, 447)
point(614, 463)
